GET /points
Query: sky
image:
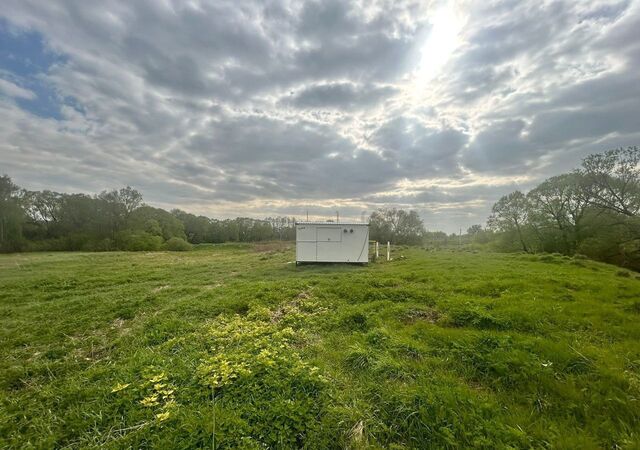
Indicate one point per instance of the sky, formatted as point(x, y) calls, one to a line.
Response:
point(279, 107)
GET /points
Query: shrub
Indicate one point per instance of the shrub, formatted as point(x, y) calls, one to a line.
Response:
point(138, 241)
point(177, 245)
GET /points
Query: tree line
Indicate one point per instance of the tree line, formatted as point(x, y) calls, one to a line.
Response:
point(116, 220)
point(592, 211)
point(120, 220)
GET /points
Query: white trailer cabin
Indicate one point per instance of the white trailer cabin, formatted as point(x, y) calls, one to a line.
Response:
point(332, 242)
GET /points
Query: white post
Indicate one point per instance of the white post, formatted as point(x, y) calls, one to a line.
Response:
point(377, 252)
point(388, 250)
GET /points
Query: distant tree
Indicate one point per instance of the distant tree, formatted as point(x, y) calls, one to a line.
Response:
point(130, 199)
point(474, 229)
point(197, 228)
point(396, 225)
point(118, 205)
point(12, 216)
point(380, 226)
point(156, 222)
point(435, 239)
point(612, 180)
point(8, 190)
point(283, 227)
point(511, 213)
point(43, 207)
point(83, 213)
point(410, 228)
point(560, 203)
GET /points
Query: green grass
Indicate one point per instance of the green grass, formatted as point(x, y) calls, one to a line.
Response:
point(436, 350)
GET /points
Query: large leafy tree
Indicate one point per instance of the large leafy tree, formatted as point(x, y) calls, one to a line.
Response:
point(157, 222)
point(559, 203)
point(11, 215)
point(117, 206)
point(197, 228)
point(511, 213)
point(396, 225)
point(44, 207)
point(612, 180)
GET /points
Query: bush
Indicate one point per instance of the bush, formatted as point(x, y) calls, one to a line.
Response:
point(177, 245)
point(138, 241)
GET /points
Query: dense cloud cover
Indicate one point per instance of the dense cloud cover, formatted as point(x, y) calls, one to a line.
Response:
point(279, 107)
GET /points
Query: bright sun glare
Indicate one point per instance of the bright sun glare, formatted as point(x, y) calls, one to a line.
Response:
point(443, 39)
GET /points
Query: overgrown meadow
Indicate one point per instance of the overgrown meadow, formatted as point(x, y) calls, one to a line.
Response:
point(232, 346)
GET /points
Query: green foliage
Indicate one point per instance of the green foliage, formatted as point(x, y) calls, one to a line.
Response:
point(176, 244)
point(136, 241)
point(397, 226)
point(593, 211)
point(12, 217)
point(114, 220)
point(511, 214)
point(155, 221)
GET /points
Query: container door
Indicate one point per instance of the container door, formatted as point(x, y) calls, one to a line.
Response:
point(329, 234)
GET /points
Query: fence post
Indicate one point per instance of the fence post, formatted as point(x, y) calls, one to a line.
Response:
point(377, 252)
point(388, 250)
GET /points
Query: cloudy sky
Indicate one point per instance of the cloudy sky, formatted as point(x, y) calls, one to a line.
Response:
point(278, 107)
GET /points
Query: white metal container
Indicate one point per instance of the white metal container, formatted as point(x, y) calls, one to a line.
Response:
point(332, 242)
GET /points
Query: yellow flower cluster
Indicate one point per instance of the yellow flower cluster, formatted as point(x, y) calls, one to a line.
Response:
point(120, 387)
point(161, 395)
point(220, 371)
point(248, 346)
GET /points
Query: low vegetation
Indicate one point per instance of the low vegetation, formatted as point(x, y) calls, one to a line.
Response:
point(232, 346)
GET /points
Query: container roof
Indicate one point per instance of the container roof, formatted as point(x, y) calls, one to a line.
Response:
point(350, 224)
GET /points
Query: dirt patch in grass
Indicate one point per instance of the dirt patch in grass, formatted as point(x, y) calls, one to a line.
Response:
point(160, 288)
point(264, 247)
point(421, 315)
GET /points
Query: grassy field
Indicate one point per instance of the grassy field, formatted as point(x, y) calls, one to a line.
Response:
point(235, 344)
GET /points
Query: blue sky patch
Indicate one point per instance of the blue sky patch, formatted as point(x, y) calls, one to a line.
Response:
point(25, 60)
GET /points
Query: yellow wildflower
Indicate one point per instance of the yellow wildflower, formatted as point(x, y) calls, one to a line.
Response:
point(119, 387)
point(163, 416)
